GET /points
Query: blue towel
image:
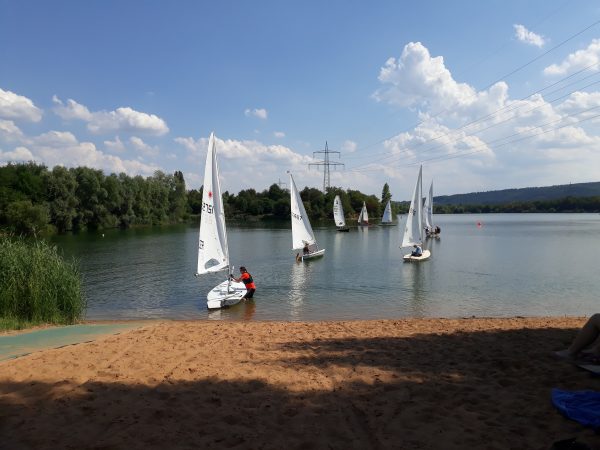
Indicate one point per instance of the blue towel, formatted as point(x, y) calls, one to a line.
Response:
point(582, 406)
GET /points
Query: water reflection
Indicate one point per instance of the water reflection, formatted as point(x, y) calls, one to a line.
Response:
point(417, 295)
point(300, 282)
point(244, 310)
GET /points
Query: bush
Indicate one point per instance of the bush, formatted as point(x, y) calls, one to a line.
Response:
point(37, 285)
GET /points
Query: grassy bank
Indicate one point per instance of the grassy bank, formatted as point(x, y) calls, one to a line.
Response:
point(37, 285)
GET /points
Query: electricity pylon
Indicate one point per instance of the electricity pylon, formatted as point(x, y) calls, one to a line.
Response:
point(326, 163)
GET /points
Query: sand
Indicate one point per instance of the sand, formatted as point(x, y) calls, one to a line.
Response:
point(406, 384)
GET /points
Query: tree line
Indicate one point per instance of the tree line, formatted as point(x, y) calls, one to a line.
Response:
point(35, 199)
point(560, 205)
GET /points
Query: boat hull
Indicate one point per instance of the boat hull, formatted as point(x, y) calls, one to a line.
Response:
point(313, 255)
point(220, 297)
point(344, 229)
point(409, 258)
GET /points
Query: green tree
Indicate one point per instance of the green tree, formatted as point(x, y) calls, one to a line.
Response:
point(177, 197)
point(61, 186)
point(385, 195)
point(26, 218)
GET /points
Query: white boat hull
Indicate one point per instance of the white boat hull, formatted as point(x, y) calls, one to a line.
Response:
point(409, 258)
point(221, 297)
point(313, 255)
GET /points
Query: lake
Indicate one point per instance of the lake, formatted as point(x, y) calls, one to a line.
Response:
point(483, 265)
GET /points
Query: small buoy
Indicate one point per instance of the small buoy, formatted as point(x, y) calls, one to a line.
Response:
point(479, 224)
point(102, 234)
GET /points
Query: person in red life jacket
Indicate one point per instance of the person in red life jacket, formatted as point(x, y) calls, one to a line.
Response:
point(246, 278)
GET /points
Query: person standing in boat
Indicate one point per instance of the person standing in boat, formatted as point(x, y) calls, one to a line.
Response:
point(246, 278)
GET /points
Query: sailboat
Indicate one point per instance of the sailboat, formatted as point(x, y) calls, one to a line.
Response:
point(363, 218)
point(413, 230)
point(338, 215)
point(430, 228)
point(213, 252)
point(428, 212)
point(302, 233)
point(387, 214)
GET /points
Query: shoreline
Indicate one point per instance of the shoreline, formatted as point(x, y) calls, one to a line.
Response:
point(395, 383)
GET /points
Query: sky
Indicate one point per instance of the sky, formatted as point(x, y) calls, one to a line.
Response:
point(485, 95)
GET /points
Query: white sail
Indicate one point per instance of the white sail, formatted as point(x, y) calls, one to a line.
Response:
point(302, 232)
point(363, 218)
point(387, 213)
point(413, 231)
point(429, 208)
point(338, 212)
point(213, 254)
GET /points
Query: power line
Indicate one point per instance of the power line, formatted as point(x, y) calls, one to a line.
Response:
point(485, 146)
point(509, 74)
point(495, 124)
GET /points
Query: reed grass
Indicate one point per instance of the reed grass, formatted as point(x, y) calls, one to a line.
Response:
point(37, 285)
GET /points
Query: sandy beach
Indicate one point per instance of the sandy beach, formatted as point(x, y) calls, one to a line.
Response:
point(406, 384)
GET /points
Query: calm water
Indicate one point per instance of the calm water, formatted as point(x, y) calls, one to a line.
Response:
point(521, 264)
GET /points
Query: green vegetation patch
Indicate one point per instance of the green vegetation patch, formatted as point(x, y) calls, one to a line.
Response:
point(37, 285)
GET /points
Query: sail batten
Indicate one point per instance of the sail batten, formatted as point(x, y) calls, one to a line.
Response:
point(213, 253)
point(338, 212)
point(302, 232)
point(413, 230)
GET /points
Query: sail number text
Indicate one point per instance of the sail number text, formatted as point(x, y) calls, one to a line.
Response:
point(208, 208)
point(297, 216)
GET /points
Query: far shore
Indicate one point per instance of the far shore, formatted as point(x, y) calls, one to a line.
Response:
point(399, 383)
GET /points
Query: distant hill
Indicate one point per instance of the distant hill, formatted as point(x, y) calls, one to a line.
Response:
point(521, 195)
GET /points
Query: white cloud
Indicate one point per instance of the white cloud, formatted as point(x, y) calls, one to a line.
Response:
point(247, 164)
point(192, 145)
point(139, 145)
point(115, 146)
point(72, 110)
point(19, 154)
point(349, 146)
point(528, 37)
point(261, 113)
point(14, 106)
point(576, 61)
point(10, 131)
point(492, 152)
point(418, 80)
point(279, 134)
point(63, 148)
point(124, 119)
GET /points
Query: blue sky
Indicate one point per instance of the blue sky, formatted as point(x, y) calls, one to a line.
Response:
point(138, 87)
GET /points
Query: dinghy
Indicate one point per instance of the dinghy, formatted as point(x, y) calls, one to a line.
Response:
point(428, 215)
point(338, 215)
point(213, 252)
point(387, 214)
point(302, 233)
point(363, 218)
point(413, 230)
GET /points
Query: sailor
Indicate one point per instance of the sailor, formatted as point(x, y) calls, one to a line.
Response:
point(246, 278)
point(306, 250)
point(418, 251)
